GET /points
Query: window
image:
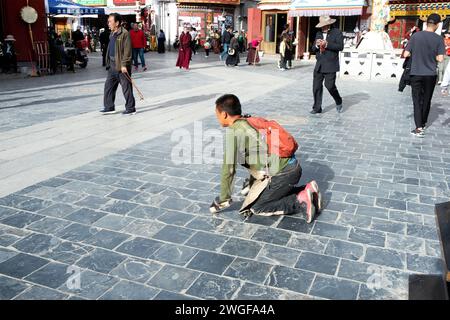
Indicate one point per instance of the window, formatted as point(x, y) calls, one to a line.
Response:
point(269, 28)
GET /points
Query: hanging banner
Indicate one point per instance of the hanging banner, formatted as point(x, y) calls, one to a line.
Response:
point(94, 3)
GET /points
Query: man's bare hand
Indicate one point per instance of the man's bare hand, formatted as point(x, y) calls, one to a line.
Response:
point(124, 70)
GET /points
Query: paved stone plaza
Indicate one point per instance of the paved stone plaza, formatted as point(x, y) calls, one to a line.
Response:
point(93, 207)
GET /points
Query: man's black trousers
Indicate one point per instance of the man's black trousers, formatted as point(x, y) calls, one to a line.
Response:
point(422, 88)
point(330, 84)
point(112, 82)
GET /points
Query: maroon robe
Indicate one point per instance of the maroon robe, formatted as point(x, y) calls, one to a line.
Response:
point(185, 52)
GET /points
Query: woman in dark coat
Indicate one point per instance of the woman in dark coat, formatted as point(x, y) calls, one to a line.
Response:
point(161, 42)
point(233, 59)
point(184, 53)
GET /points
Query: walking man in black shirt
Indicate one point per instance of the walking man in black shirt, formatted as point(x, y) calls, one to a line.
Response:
point(426, 49)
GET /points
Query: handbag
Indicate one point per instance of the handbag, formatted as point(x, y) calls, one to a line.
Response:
point(231, 51)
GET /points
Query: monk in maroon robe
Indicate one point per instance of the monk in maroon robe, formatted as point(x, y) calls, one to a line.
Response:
point(185, 52)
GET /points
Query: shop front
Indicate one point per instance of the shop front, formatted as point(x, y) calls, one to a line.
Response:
point(204, 15)
point(407, 14)
point(351, 17)
point(274, 17)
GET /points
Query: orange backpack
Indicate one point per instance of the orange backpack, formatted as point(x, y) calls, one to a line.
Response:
point(284, 146)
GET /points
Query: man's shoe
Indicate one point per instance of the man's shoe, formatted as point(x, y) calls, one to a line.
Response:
point(145, 69)
point(107, 111)
point(418, 133)
point(317, 196)
point(218, 206)
point(339, 108)
point(129, 112)
point(306, 197)
point(136, 69)
point(315, 111)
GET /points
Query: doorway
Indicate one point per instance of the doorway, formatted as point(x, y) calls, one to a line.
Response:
point(272, 27)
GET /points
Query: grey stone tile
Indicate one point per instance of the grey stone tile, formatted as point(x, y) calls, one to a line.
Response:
point(433, 248)
point(248, 270)
point(250, 291)
point(372, 212)
point(21, 265)
point(91, 285)
point(175, 204)
point(6, 212)
point(213, 287)
point(290, 279)
point(92, 202)
point(167, 295)
point(54, 182)
point(391, 204)
point(174, 234)
point(388, 226)
point(174, 278)
point(205, 223)
point(38, 244)
point(48, 225)
point(126, 290)
point(136, 270)
point(6, 254)
point(76, 232)
point(330, 230)
point(317, 263)
point(41, 293)
point(207, 241)
point(421, 231)
point(386, 257)
point(140, 247)
point(175, 218)
point(107, 239)
point(85, 216)
point(359, 199)
point(423, 264)
point(354, 221)
point(143, 228)
point(113, 222)
point(272, 235)
point(295, 224)
point(174, 254)
point(278, 255)
point(146, 212)
point(210, 262)
point(374, 238)
point(344, 249)
point(68, 196)
point(67, 252)
point(308, 242)
point(9, 288)
point(101, 260)
point(123, 194)
point(13, 200)
point(334, 288)
point(405, 217)
point(34, 205)
point(119, 207)
point(405, 243)
point(236, 229)
point(265, 221)
point(53, 275)
point(357, 271)
point(241, 248)
point(21, 219)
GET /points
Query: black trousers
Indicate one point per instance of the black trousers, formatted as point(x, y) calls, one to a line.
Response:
point(422, 88)
point(112, 82)
point(280, 196)
point(330, 84)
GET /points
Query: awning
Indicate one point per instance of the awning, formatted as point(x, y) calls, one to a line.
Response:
point(274, 5)
point(311, 8)
point(122, 10)
point(55, 7)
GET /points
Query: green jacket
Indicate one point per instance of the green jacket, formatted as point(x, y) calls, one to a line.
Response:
point(123, 52)
point(244, 145)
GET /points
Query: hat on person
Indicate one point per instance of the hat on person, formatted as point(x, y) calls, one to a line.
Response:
point(10, 37)
point(325, 21)
point(434, 18)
